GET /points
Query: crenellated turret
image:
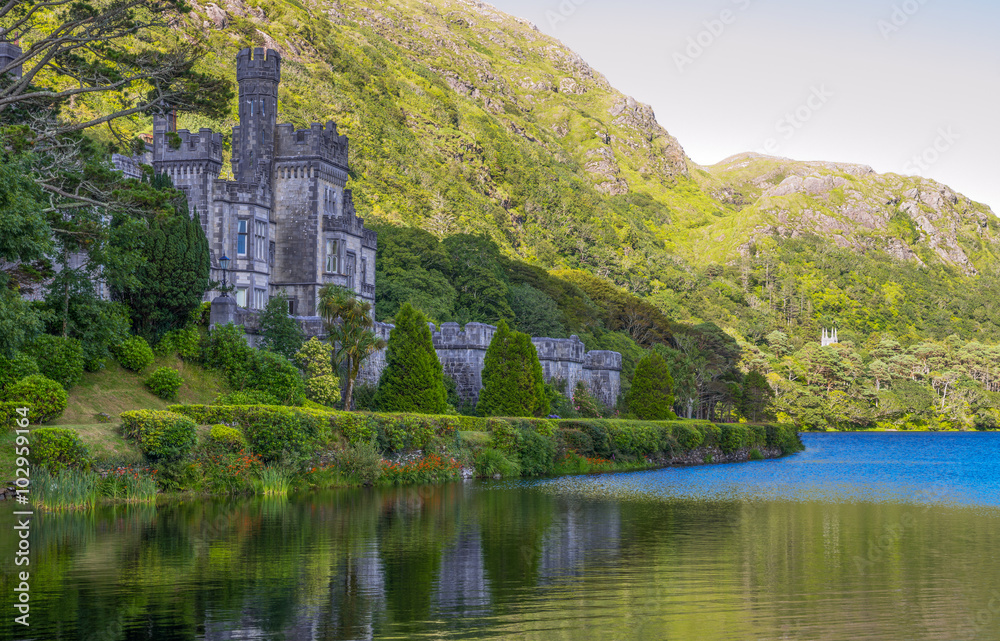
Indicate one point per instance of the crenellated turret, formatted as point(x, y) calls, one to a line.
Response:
point(258, 72)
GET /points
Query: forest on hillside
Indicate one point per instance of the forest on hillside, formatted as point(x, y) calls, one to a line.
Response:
point(902, 363)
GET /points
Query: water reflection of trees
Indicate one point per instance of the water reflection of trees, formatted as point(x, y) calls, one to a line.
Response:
point(458, 559)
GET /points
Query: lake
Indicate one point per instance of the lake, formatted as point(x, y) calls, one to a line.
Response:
point(863, 536)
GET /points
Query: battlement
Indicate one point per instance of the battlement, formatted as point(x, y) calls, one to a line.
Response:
point(258, 63)
point(473, 336)
point(9, 52)
point(560, 349)
point(603, 360)
point(317, 141)
point(240, 192)
point(206, 145)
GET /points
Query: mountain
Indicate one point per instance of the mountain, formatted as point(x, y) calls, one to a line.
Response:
point(465, 119)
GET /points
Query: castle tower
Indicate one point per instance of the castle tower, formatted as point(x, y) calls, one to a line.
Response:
point(192, 160)
point(9, 52)
point(258, 73)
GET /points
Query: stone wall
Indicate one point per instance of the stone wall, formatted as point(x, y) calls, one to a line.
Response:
point(462, 352)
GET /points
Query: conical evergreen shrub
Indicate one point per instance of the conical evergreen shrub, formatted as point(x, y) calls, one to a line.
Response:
point(412, 380)
point(651, 397)
point(513, 383)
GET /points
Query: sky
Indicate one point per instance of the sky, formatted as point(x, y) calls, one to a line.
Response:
point(905, 86)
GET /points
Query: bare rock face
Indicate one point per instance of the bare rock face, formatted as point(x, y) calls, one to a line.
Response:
point(853, 207)
point(603, 165)
point(812, 185)
point(217, 16)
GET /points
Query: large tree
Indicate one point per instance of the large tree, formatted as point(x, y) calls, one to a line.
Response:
point(651, 396)
point(412, 380)
point(118, 54)
point(175, 276)
point(513, 382)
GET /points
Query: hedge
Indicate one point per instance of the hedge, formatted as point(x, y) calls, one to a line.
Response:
point(45, 399)
point(161, 435)
point(270, 428)
point(58, 448)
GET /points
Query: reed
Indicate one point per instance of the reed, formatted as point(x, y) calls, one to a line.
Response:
point(67, 490)
point(273, 481)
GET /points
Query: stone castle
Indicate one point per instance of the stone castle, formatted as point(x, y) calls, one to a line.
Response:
point(288, 225)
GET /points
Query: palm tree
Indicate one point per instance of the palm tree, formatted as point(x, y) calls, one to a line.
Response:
point(350, 326)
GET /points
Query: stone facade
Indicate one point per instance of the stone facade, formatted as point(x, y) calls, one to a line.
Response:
point(287, 221)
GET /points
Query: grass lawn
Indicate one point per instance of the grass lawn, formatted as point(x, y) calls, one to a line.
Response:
point(112, 391)
point(115, 390)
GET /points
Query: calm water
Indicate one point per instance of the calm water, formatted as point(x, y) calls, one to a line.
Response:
point(869, 536)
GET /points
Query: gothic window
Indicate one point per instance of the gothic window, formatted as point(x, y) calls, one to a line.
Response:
point(250, 102)
point(291, 307)
point(351, 263)
point(332, 256)
point(241, 296)
point(260, 239)
point(270, 255)
point(241, 238)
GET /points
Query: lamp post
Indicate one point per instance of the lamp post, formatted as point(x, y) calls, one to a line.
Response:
point(224, 264)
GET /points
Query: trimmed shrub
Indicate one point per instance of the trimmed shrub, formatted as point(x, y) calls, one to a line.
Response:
point(651, 396)
point(689, 436)
point(186, 343)
point(316, 360)
point(513, 382)
point(45, 399)
point(9, 415)
point(14, 369)
point(134, 354)
point(755, 455)
point(161, 435)
point(59, 359)
point(247, 368)
point(576, 441)
point(536, 452)
point(413, 380)
point(275, 433)
point(230, 437)
point(165, 382)
point(57, 449)
point(246, 397)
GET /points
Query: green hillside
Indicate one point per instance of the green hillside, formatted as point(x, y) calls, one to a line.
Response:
point(464, 119)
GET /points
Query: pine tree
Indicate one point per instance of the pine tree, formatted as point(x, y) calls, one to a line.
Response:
point(413, 380)
point(175, 276)
point(651, 397)
point(513, 383)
